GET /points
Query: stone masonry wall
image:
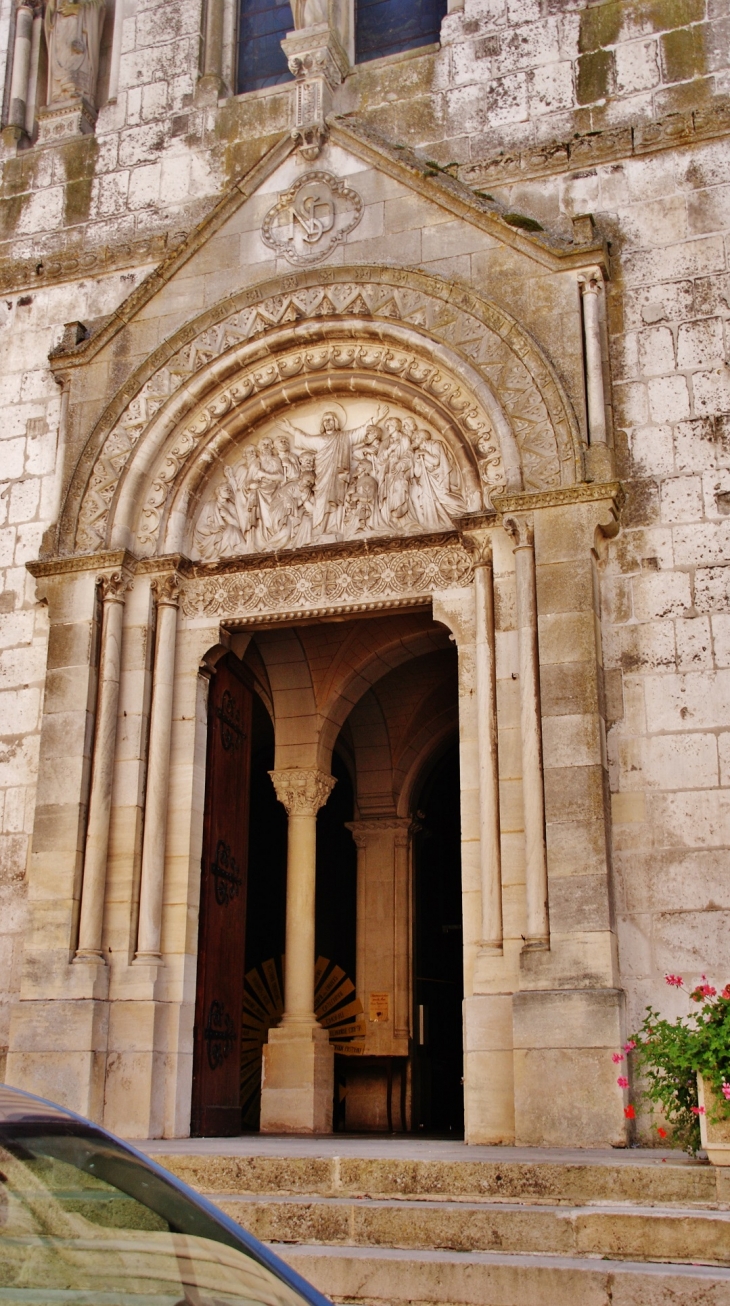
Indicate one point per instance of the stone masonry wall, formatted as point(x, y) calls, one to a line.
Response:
point(556, 109)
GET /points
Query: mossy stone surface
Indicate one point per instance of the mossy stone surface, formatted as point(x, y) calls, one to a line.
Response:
point(595, 76)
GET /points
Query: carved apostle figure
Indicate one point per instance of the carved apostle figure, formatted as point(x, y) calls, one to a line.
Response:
point(73, 38)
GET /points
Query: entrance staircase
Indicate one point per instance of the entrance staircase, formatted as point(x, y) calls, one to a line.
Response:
point(394, 1221)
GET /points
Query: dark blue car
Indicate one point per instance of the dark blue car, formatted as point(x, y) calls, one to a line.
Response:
point(85, 1219)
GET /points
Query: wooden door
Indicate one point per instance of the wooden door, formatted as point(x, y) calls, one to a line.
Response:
point(216, 1110)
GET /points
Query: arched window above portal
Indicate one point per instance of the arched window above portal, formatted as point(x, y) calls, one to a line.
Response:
point(263, 24)
point(389, 26)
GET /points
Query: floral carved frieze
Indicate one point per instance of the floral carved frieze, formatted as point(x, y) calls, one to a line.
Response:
point(328, 584)
point(534, 408)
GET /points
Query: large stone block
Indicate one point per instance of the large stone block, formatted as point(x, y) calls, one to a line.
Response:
point(566, 1093)
point(297, 1081)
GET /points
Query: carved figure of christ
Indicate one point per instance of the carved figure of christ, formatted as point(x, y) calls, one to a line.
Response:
point(333, 449)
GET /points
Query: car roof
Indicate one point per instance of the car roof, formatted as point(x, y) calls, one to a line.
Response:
point(17, 1105)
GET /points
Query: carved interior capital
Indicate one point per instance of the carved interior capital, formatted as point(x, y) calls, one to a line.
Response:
point(302, 790)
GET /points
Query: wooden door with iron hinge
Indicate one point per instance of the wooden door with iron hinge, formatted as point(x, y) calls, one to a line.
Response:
point(216, 1105)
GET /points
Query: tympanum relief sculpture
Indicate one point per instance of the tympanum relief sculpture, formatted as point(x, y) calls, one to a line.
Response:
point(345, 472)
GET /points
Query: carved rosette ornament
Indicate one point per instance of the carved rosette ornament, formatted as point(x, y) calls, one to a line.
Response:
point(302, 790)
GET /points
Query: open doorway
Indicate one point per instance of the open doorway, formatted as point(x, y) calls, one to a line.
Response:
point(438, 1090)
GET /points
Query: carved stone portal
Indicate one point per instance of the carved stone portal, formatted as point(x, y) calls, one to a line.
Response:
point(334, 472)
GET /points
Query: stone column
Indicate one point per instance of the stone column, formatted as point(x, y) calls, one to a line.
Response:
point(21, 70)
point(599, 459)
point(479, 544)
point(158, 770)
point(297, 1076)
point(537, 934)
point(211, 84)
point(102, 772)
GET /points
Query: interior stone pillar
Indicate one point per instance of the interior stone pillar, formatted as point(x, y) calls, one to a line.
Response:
point(97, 831)
point(384, 927)
point(537, 934)
point(158, 771)
point(298, 1064)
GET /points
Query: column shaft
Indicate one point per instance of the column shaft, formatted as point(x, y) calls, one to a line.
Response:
point(537, 935)
point(594, 363)
point(158, 771)
point(301, 864)
point(35, 54)
point(21, 66)
point(213, 61)
point(116, 54)
point(102, 771)
point(486, 686)
point(302, 792)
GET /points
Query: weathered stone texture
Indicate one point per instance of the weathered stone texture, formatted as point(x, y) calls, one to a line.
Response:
point(552, 111)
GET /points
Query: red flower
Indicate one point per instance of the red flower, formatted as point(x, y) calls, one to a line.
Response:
point(726, 992)
point(629, 1047)
point(661, 1132)
point(629, 1112)
point(622, 1081)
point(675, 981)
point(616, 1058)
point(697, 1110)
point(704, 991)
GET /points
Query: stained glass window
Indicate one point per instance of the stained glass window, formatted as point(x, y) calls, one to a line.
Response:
point(387, 26)
point(261, 60)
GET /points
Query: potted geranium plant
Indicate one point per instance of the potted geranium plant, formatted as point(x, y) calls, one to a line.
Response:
point(685, 1068)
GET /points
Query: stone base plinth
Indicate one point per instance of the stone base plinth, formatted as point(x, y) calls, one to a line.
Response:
point(297, 1082)
point(566, 1093)
point(56, 122)
point(58, 1051)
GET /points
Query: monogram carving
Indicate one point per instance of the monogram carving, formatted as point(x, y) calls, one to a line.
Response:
point(328, 585)
point(311, 218)
point(543, 425)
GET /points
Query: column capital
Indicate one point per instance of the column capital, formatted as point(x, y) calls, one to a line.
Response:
point(521, 529)
point(402, 826)
point(590, 281)
point(478, 542)
point(114, 586)
point(302, 790)
point(166, 589)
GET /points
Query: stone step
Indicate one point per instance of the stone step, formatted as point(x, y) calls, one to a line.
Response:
point(667, 1180)
point(619, 1232)
point(386, 1277)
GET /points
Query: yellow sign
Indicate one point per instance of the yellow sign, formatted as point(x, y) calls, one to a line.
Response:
point(379, 1007)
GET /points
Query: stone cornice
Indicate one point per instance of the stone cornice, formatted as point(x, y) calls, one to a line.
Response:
point(591, 492)
point(555, 157)
point(107, 561)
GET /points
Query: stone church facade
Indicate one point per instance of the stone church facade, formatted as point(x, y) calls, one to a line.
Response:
point(365, 621)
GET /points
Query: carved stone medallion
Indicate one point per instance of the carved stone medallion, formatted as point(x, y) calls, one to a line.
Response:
point(311, 218)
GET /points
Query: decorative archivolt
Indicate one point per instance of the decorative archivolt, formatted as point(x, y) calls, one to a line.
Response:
point(323, 328)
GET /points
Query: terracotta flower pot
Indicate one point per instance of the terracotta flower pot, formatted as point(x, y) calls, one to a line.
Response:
point(715, 1137)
